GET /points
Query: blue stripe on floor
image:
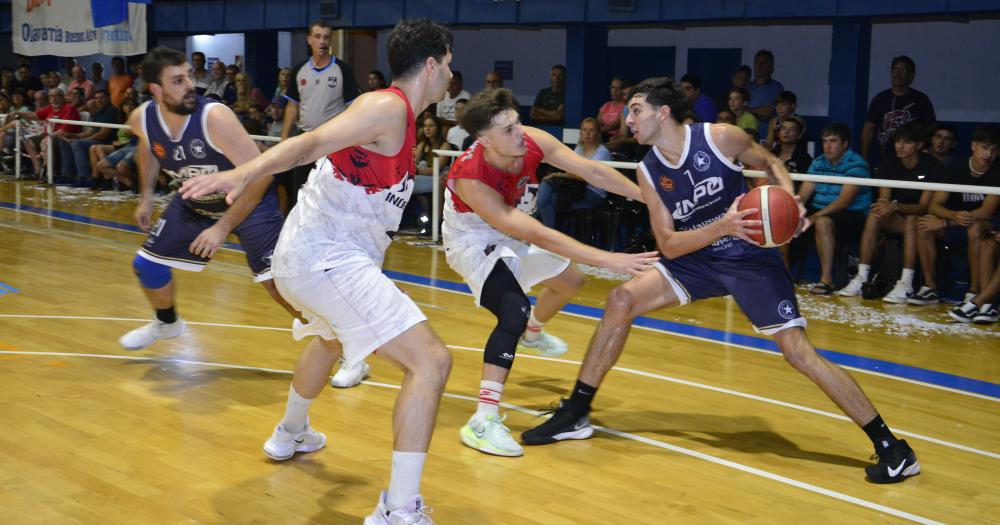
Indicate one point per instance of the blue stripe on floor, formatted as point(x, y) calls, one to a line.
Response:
point(924, 375)
point(6, 288)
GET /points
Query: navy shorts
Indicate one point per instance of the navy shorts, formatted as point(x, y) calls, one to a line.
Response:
point(759, 283)
point(170, 238)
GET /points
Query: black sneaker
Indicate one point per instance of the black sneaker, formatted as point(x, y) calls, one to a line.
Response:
point(987, 315)
point(563, 424)
point(926, 295)
point(895, 464)
point(965, 313)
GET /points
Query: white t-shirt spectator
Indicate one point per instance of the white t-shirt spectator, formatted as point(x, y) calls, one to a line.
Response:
point(446, 108)
point(456, 136)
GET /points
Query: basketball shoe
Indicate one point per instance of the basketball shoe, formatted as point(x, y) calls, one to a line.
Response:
point(894, 464)
point(151, 332)
point(899, 294)
point(563, 424)
point(413, 513)
point(346, 377)
point(283, 444)
point(926, 295)
point(852, 289)
point(987, 315)
point(965, 312)
point(546, 345)
point(487, 433)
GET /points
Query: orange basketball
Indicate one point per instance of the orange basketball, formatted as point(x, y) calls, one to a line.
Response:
point(777, 211)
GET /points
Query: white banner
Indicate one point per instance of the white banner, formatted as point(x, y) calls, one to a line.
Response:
point(65, 28)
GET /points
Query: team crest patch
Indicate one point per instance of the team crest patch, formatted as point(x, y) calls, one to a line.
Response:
point(702, 161)
point(197, 148)
point(302, 81)
point(159, 151)
point(786, 309)
point(666, 183)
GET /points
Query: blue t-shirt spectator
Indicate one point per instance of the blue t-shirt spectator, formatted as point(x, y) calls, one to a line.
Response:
point(850, 165)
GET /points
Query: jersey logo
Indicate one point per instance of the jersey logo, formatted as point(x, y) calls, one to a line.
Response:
point(702, 161)
point(197, 149)
point(302, 81)
point(703, 189)
point(159, 151)
point(522, 182)
point(666, 183)
point(786, 309)
point(331, 81)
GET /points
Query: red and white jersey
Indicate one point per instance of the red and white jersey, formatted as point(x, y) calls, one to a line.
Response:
point(352, 199)
point(462, 226)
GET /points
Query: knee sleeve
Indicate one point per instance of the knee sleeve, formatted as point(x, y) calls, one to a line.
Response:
point(151, 274)
point(503, 297)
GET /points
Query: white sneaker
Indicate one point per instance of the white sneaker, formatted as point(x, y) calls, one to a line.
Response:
point(150, 332)
point(283, 444)
point(969, 296)
point(546, 345)
point(413, 513)
point(852, 289)
point(347, 377)
point(899, 294)
point(487, 433)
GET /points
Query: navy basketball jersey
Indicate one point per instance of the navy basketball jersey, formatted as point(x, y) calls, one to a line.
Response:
point(192, 154)
point(699, 189)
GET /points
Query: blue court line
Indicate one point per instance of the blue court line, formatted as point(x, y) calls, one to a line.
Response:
point(6, 288)
point(914, 373)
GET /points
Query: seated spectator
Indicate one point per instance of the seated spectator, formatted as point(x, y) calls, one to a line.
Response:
point(57, 108)
point(982, 309)
point(836, 211)
point(784, 107)
point(623, 143)
point(789, 147)
point(726, 117)
point(493, 80)
point(7, 81)
point(702, 104)
point(894, 107)
point(253, 122)
point(960, 216)
point(446, 107)
point(276, 114)
point(554, 193)
point(120, 81)
point(74, 148)
point(763, 90)
point(432, 137)
point(53, 81)
point(246, 96)
point(28, 82)
point(17, 106)
point(457, 134)
point(739, 79)
point(219, 85)
point(80, 81)
point(97, 76)
point(944, 137)
point(114, 164)
point(139, 85)
point(549, 108)
point(738, 98)
point(376, 80)
point(199, 75)
point(284, 78)
point(897, 210)
point(611, 111)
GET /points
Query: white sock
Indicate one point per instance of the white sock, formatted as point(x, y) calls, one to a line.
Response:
point(404, 482)
point(863, 270)
point(489, 397)
point(907, 277)
point(534, 329)
point(296, 411)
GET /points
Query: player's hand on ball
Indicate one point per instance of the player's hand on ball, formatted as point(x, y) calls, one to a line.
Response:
point(631, 263)
point(735, 224)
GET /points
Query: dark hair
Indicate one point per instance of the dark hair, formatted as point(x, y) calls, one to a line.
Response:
point(764, 53)
point(661, 91)
point(118, 59)
point(560, 67)
point(4, 96)
point(197, 53)
point(912, 131)
point(986, 134)
point(839, 129)
point(96, 91)
point(743, 92)
point(412, 41)
point(380, 76)
point(786, 96)
point(484, 106)
point(156, 60)
point(320, 24)
point(744, 68)
point(944, 127)
point(798, 121)
point(906, 60)
point(692, 79)
point(456, 75)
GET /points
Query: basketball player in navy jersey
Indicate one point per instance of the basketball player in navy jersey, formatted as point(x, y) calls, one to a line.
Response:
point(328, 261)
point(692, 181)
point(188, 135)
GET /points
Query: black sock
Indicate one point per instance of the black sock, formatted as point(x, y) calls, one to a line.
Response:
point(583, 394)
point(879, 433)
point(166, 315)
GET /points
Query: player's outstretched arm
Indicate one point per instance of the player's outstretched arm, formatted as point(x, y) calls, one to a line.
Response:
point(229, 135)
point(592, 171)
point(375, 119)
point(489, 205)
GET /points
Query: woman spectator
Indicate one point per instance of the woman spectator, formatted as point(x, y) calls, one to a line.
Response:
point(561, 190)
point(610, 113)
point(431, 137)
point(246, 95)
point(376, 80)
point(284, 77)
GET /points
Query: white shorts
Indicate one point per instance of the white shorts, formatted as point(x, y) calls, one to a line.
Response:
point(353, 302)
point(529, 263)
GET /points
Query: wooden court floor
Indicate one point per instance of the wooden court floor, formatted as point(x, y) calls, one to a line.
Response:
point(700, 422)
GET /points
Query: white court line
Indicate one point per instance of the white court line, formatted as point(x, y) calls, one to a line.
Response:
point(666, 446)
point(651, 375)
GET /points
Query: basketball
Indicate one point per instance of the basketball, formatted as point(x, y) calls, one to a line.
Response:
point(777, 211)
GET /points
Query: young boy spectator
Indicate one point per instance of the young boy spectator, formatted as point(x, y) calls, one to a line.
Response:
point(836, 211)
point(981, 309)
point(738, 98)
point(958, 216)
point(784, 107)
point(896, 211)
point(944, 137)
point(790, 148)
point(726, 117)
